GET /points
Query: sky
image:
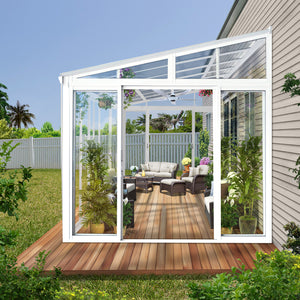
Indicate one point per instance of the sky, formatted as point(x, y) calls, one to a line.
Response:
point(42, 39)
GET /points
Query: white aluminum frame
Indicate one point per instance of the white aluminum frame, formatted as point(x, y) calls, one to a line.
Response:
point(71, 82)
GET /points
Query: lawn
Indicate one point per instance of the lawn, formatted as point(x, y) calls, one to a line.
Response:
point(43, 210)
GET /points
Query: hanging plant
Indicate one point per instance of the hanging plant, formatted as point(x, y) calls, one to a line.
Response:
point(205, 93)
point(128, 94)
point(105, 101)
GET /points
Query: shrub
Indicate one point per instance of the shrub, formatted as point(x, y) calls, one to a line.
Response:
point(275, 276)
point(293, 241)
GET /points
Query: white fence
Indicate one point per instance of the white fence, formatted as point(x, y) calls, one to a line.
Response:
point(44, 153)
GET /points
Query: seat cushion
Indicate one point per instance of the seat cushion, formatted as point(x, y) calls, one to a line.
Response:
point(150, 173)
point(130, 187)
point(170, 181)
point(207, 201)
point(164, 174)
point(154, 166)
point(187, 179)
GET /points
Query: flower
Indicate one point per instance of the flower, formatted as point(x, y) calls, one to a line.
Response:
point(125, 200)
point(186, 161)
point(134, 168)
point(205, 161)
point(205, 93)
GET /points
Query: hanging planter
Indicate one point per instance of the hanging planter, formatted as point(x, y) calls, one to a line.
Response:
point(128, 94)
point(105, 101)
point(205, 93)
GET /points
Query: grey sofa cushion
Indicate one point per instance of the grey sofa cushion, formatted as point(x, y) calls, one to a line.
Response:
point(164, 167)
point(154, 166)
point(187, 179)
point(164, 174)
point(130, 187)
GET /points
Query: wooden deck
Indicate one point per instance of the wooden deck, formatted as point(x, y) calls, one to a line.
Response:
point(161, 216)
point(164, 214)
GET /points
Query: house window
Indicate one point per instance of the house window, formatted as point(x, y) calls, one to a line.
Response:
point(230, 118)
point(249, 115)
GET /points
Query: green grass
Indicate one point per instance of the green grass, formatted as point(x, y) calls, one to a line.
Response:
point(43, 210)
point(135, 287)
point(40, 212)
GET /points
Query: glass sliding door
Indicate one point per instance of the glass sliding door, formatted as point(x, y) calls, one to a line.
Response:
point(95, 168)
point(242, 165)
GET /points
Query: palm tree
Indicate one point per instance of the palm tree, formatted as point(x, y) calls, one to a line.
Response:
point(3, 103)
point(19, 114)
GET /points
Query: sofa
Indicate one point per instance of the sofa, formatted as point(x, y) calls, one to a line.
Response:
point(159, 170)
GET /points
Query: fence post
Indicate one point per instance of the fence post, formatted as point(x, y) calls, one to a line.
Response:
point(32, 152)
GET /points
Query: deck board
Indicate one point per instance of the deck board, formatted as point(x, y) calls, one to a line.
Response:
point(157, 215)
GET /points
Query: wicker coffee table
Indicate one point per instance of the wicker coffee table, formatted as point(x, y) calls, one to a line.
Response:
point(145, 182)
point(173, 186)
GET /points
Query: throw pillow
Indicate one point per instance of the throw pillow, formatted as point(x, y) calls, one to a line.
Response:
point(193, 172)
point(145, 167)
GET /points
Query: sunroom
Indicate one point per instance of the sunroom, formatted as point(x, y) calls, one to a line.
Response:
point(224, 88)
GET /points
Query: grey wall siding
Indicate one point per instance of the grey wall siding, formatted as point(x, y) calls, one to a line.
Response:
point(284, 17)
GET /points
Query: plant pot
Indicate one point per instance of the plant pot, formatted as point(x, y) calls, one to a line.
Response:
point(187, 168)
point(97, 228)
point(226, 230)
point(124, 230)
point(247, 224)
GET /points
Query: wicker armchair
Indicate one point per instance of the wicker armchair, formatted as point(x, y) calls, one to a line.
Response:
point(196, 184)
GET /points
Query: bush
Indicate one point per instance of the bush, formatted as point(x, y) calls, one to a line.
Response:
point(275, 276)
point(293, 241)
point(23, 283)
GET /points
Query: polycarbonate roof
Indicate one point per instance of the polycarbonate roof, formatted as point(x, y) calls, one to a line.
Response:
point(226, 56)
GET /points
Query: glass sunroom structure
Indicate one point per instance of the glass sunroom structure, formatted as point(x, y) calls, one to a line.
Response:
point(97, 102)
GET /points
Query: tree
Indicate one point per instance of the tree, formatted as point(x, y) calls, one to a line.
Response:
point(5, 131)
point(3, 103)
point(47, 127)
point(19, 114)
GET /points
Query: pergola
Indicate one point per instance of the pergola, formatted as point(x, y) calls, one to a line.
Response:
point(147, 84)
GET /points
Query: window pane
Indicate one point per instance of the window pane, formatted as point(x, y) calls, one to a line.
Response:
point(242, 162)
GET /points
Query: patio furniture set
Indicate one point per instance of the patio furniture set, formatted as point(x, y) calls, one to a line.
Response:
point(164, 173)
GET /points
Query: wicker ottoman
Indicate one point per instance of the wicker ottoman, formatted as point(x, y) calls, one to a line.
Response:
point(173, 186)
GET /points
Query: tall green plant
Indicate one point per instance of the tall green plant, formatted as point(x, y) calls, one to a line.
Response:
point(225, 156)
point(203, 143)
point(246, 182)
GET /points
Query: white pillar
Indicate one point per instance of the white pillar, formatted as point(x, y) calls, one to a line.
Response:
point(110, 138)
point(147, 123)
point(193, 138)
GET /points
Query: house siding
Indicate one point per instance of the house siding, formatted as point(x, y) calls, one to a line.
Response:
point(284, 17)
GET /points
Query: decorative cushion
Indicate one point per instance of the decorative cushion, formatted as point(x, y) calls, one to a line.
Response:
point(164, 167)
point(154, 166)
point(208, 200)
point(188, 179)
point(193, 172)
point(202, 169)
point(170, 181)
point(148, 173)
point(145, 167)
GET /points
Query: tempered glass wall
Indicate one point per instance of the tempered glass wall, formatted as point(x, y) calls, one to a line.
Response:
point(242, 162)
point(95, 207)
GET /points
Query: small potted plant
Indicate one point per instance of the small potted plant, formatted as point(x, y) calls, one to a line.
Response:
point(229, 216)
point(105, 101)
point(134, 170)
point(186, 162)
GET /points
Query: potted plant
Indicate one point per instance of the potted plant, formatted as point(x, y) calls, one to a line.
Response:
point(186, 162)
point(246, 181)
point(205, 93)
point(105, 101)
point(97, 208)
point(229, 216)
point(134, 170)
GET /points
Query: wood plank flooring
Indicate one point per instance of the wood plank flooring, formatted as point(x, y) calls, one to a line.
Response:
point(156, 216)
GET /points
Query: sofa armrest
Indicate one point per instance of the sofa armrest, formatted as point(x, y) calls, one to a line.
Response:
point(173, 174)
